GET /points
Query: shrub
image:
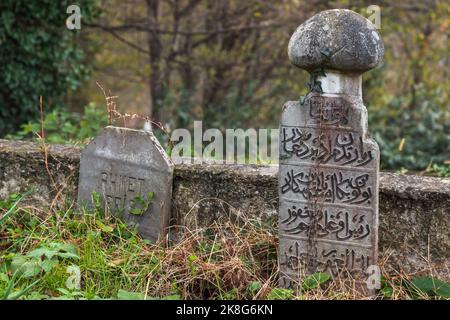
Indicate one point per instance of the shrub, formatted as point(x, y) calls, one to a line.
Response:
point(64, 127)
point(39, 56)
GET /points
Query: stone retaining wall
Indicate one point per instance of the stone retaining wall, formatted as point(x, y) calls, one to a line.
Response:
point(414, 210)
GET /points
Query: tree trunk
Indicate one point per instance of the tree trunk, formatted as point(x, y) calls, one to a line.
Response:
point(155, 48)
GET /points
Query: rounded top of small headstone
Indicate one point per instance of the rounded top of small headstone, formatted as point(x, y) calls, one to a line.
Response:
point(337, 39)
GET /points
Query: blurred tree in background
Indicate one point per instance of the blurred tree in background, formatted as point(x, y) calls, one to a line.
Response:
point(408, 97)
point(38, 56)
point(225, 62)
point(215, 60)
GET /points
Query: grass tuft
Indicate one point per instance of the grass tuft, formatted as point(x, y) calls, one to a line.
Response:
point(62, 254)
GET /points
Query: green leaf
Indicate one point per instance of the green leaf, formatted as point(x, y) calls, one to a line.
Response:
point(64, 291)
point(429, 286)
point(192, 258)
point(140, 204)
point(254, 286)
point(96, 200)
point(19, 294)
point(4, 277)
point(41, 252)
point(17, 262)
point(315, 280)
point(105, 228)
point(49, 264)
point(386, 288)
point(443, 290)
point(55, 249)
point(25, 266)
point(280, 294)
point(127, 295)
point(136, 212)
point(387, 292)
point(31, 269)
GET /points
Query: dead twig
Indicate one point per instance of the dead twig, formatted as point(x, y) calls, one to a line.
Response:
point(41, 136)
point(115, 115)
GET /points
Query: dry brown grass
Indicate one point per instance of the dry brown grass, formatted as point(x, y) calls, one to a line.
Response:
point(223, 260)
point(230, 259)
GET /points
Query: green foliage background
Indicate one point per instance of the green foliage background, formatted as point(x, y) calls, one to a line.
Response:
point(63, 127)
point(235, 79)
point(38, 57)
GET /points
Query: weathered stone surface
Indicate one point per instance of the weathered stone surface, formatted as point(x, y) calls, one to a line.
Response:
point(204, 192)
point(414, 210)
point(22, 166)
point(336, 39)
point(131, 173)
point(329, 165)
point(328, 182)
point(414, 231)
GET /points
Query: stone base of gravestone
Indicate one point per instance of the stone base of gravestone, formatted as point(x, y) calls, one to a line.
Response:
point(128, 174)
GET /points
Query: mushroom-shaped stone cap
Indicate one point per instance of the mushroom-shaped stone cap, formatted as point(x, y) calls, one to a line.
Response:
point(337, 39)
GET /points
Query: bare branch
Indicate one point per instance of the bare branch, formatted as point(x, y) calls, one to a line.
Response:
point(148, 28)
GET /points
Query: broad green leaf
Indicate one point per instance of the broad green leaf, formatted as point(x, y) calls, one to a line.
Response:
point(41, 252)
point(49, 264)
point(31, 269)
point(429, 286)
point(62, 250)
point(63, 247)
point(17, 262)
point(315, 280)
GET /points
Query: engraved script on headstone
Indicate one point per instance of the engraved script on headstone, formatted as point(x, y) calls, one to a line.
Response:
point(130, 174)
point(328, 175)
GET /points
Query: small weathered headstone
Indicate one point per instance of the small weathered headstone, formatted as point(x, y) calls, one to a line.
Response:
point(328, 177)
point(128, 173)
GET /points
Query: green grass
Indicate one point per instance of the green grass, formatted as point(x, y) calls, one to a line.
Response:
point(108, 254)
point(62, 254)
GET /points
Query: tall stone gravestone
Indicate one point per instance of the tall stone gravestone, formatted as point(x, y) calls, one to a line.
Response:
point(328, 178)
point(128, 173)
